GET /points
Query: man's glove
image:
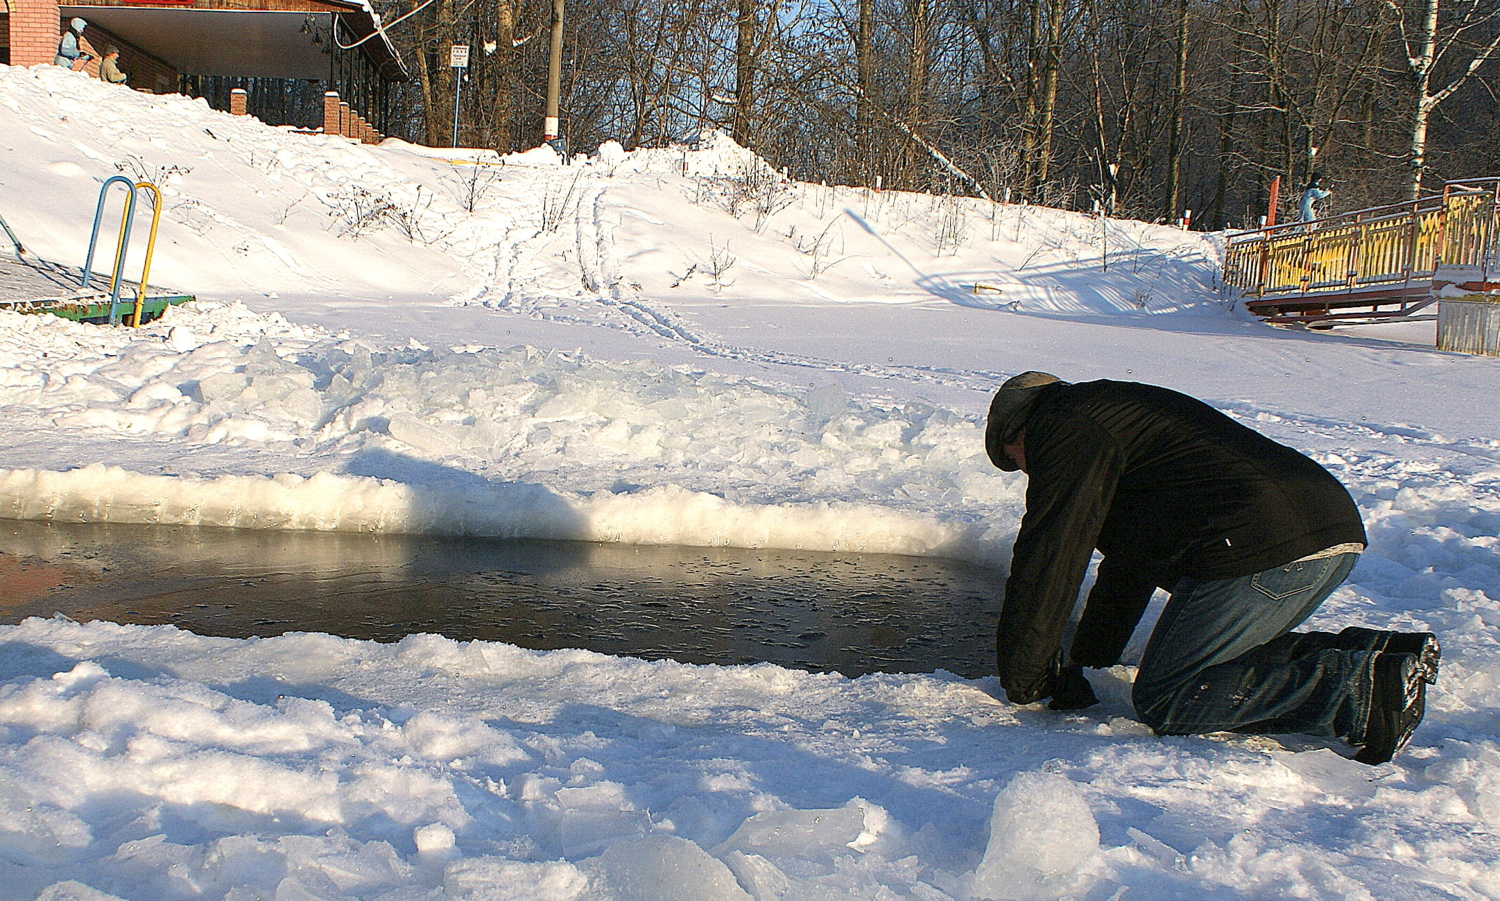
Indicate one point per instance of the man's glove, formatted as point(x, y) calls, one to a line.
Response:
point(1071, 691)
point(1065, 685)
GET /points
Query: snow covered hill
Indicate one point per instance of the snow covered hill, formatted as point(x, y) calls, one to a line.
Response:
point(666, 346)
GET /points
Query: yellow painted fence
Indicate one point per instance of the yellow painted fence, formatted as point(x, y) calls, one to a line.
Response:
point(1375, 251)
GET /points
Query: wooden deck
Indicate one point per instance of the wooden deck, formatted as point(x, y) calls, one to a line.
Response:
point(1383, 263)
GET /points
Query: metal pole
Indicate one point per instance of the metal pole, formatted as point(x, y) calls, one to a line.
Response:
point(458, 61)
point(458, 82)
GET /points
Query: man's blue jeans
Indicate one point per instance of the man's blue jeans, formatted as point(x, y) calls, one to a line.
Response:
point(1223, 658)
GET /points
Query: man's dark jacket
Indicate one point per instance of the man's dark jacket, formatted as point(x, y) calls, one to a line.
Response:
point(1166, 488)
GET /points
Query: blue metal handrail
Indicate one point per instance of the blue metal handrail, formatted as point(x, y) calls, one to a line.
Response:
point(122, 246)
point(125, 220)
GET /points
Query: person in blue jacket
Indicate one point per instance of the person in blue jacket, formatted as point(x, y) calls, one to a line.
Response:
point(1248, 537)
point(1315, 193)
point(70, 46)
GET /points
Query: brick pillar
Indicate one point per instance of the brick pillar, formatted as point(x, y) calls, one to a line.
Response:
point(346, 119)
point(35, 26)
point(238, 98)
point(331, 113)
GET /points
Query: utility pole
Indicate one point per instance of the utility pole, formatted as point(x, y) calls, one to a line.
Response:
point(554, 74)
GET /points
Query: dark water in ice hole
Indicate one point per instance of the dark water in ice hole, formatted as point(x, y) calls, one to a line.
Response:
point(849, 613)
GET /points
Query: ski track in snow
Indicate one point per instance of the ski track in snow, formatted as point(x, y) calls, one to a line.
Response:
point(634, 313)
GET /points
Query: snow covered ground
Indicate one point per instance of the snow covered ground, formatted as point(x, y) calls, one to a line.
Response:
point(669, 347)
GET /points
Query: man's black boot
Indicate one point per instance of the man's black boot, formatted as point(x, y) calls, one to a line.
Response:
point(1398, 698)
point(1073, 691)
point(1424, 645)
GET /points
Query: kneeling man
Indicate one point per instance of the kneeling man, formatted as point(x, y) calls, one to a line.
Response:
point(1248, 536)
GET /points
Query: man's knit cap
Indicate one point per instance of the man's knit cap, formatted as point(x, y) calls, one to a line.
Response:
point(1008, 413)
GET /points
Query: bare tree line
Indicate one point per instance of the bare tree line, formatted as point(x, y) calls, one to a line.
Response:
point(1142, 108)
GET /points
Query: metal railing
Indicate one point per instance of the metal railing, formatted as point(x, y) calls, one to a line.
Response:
point(122, 246)
point(14, 241)
point(1383, 251)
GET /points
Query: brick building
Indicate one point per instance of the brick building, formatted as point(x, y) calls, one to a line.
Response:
point(163, 42)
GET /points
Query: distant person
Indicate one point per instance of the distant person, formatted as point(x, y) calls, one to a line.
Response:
point(1311, 196)
point(71, 48)
point(109, 67)
point(1248, 536)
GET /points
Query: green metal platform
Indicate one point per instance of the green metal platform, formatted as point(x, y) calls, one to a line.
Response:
point(29, 285)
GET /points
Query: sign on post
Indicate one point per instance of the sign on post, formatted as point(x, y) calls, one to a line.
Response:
point(458, 58)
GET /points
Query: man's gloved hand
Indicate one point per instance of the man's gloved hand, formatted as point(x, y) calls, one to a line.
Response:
point(1071, 691)
point(1065, 685)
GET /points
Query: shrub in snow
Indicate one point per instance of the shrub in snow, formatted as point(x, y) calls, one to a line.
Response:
point(610, 154)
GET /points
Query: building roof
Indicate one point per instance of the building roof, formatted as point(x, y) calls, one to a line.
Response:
point(249, 38)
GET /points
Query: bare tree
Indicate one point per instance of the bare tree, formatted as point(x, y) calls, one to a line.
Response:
point(1178, 115)
point(864, 119)
point(507, 73)
point(1429, 43)
point(1156, 106)
point(436, 36)
point(1044, 61)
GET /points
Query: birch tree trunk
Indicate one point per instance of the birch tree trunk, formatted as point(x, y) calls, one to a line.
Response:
point(1051, 70)
point(1422, 101)
point(1422, 58)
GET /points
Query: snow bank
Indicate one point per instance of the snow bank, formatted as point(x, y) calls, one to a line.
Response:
point(324, 502)
point(479, 441)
